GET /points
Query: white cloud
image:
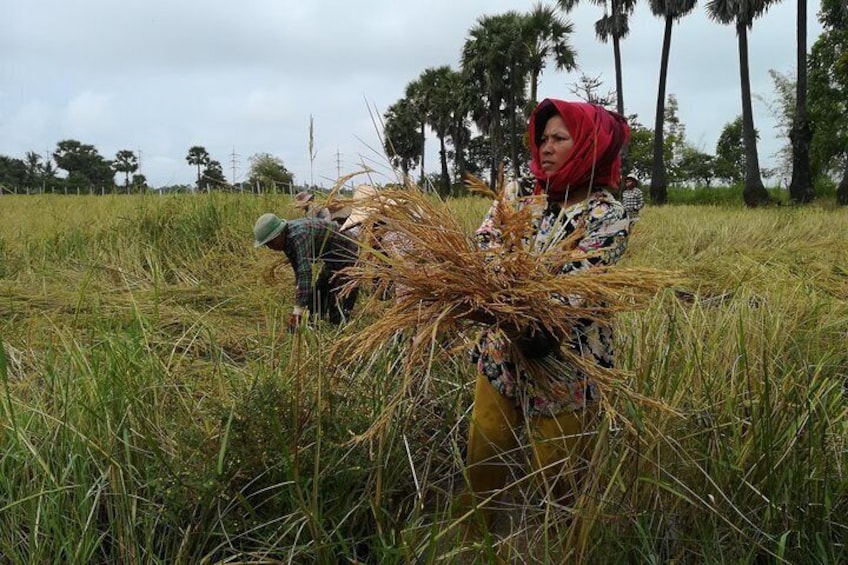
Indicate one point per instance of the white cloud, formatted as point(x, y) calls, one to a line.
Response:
point(242, 78)
point(25, 128)
point(89, 114)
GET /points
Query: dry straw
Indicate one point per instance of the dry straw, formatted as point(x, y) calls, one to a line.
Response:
point(444, 287)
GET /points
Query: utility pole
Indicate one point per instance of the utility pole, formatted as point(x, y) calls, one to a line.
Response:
point(234, 162)
point(338, 164)
point(47, 159)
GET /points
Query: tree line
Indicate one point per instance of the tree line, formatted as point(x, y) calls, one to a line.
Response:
point(495, 88)
point(88, 172)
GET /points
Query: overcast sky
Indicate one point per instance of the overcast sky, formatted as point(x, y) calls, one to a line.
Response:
point(240, 78)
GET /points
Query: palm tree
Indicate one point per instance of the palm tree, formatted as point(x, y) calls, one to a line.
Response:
point(459, 131)
point(801, 186)
point(199, 157)
point(402, 143)
point(548, 36)
point(125, 162)
point(614, 25)
point(671, 10)
point(441, 96)
point(742, 13)
point(495, 63)
point(417, 93)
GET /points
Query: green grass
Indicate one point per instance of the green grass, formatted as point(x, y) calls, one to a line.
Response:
point(155, 410)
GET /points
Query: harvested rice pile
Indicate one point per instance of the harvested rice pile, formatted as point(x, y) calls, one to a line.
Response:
point(443, 285)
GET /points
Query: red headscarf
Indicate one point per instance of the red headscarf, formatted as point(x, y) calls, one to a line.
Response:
point(594, 160)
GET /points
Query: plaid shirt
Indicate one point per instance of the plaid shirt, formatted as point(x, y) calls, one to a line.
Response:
point(632, 200)
point(309, 240)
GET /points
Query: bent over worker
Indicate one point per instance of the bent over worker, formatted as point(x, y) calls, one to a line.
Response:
point(306, 241)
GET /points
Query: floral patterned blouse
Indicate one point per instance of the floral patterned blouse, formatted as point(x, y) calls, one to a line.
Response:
point(607, 229)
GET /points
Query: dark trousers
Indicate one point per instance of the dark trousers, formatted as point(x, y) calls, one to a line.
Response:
point(326, 300)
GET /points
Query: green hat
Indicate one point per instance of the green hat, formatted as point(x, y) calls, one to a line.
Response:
point(267, 227)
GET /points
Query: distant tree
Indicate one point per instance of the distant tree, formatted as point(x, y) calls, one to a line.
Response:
point(613, 25)
point(588, 88)
point(459, 133)
point(640, 148)
point(198, 157)
point(418, 94)
point(674, 139)
point(495, 62)
point(782, 109)
point(139, 183)
point(671, 11)
point(125, 162)
point(402, 142)
point(213, 177)
point(269, 172)
point(48, 173)
point(742, 14)
point(34, 169)
point(548, 40)
point(440, 98)
point(829, 96)
point(696, 166)
point(479, 155)
point(13, 175)
point(86, 168)
point(730, 162)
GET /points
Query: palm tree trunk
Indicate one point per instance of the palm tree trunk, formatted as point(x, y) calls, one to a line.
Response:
point(754, 192)
point(659, 193)
point(801, 186)
point(619, 79)
point(534, 86)
point(619, 97)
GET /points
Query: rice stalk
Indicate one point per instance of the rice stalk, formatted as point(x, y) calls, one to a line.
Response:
point(445, 287)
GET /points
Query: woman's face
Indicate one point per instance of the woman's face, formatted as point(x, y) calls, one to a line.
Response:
point(555, 145)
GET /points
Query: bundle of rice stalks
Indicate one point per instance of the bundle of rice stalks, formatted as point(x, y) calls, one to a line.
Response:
point(444, 284)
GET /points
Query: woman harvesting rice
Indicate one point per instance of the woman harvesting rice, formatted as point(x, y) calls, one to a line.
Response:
point(575, 161)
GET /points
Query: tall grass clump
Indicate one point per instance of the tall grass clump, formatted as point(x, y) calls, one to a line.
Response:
point(153, 407)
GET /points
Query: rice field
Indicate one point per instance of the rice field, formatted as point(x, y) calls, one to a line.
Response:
point(154, 409)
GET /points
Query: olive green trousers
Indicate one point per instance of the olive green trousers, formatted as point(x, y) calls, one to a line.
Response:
point(559, 445)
